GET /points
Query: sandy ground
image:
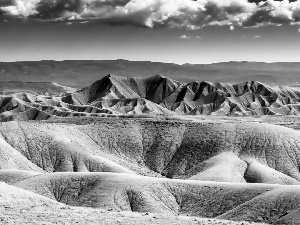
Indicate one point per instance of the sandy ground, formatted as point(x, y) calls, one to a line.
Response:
point(72, 215)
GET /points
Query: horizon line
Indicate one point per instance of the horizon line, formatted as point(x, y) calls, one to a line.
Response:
point(128, 60)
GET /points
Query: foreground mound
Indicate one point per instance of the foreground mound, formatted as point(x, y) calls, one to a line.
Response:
point(251, 202)
point(19, 206)
point(215, 151)
point(152, 95)
point(191, 168)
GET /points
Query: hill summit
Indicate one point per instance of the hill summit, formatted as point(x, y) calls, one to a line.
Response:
point(154, 95)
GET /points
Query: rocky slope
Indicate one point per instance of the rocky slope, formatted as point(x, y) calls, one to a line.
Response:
point(174, 149)
point(19, 206)
point(154, 95)
point(221, 170)
point(135, 150)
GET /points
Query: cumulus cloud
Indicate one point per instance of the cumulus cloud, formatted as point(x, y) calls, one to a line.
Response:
point(184, 37)
point(187, 14)
point(17, 8)
point(273, 12)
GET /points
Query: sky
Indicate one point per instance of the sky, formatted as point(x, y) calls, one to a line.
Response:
point(177, 31)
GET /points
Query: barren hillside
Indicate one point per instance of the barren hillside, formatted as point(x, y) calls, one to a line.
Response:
point(153, 95)
point(237, 171)
point(150, 150)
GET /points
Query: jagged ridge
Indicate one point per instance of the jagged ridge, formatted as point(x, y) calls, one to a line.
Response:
point(247, 98)
point(155, 95)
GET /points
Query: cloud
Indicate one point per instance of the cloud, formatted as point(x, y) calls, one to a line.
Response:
point(186, 14)
point(273, 12)
point(184, 37)
point(231, 27)
point(19, 7)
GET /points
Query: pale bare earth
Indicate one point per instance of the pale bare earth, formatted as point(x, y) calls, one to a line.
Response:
point(156, 95)
point(18, 206)
point(151, 151)
point(97, 163)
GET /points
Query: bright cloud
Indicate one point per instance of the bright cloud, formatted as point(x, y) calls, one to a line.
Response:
point(184, 37)
point(187, 14)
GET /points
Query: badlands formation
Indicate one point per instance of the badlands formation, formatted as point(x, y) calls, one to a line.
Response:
point(153, 95)
point(150, 151)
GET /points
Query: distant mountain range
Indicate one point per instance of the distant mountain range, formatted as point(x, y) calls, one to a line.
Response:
point(157, 95)
point(82, 73)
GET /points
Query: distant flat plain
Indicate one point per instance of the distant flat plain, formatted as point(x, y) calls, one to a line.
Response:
point(82, 73)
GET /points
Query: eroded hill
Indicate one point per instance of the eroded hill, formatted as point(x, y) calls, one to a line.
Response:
point(153, 95)
point(238, 171)
point(139, 150)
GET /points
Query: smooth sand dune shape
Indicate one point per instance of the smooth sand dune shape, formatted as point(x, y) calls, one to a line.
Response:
point(153, 95)
point(225, 167)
